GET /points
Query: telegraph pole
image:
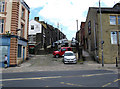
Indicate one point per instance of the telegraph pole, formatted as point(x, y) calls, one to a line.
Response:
point(77, 24)
point(102, 42)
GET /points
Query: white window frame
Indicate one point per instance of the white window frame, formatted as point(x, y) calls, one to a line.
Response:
point(114, 37)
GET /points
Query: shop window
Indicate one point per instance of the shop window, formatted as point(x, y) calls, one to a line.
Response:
point(1, 25)
point(3, 52)
point(113, 37)
point(19, 51)
point(112, 20)
point(2, 6)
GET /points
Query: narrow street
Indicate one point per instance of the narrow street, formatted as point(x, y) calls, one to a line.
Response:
point(47, 71)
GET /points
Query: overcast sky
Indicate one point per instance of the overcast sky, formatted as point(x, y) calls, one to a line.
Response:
point(64, 12)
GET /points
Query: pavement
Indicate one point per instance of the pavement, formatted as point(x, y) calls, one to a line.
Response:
point(48, 63)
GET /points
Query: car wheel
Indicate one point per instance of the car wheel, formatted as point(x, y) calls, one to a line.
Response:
point(57, 55)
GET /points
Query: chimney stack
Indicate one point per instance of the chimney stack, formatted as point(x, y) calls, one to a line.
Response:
point(36, 18)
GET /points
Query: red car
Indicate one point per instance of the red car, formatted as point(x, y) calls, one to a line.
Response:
point(61, 51)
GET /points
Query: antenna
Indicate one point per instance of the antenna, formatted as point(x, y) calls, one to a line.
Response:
point(58, 25)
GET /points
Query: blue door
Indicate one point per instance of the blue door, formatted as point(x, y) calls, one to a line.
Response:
point(23, 53)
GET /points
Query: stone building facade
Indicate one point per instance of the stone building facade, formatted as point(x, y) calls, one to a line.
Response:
point(110, 18)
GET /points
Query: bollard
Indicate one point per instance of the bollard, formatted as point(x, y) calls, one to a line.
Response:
point(116, 62)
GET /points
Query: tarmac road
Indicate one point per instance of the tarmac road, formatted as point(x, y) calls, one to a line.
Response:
point(79, 78)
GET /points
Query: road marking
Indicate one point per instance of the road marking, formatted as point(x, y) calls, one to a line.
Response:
point(31, 78)
point(46, 86)
point(111, 83)
point(39, 78)
point(62, 82)
point(116, 80)
point(70, 84)
point(106, 85)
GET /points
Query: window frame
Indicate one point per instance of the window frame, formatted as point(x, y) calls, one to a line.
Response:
point(118, 19)
point(113, 19)
point(33, 27)
point(112, 39)
point(22, 29)
point(2, 25)
point(23, 13)
point(19, 51)
point(2, 4)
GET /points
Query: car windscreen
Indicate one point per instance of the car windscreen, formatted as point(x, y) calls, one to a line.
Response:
point(59, 49)
point(68, 54)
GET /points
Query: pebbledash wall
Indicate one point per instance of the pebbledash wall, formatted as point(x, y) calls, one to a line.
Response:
point(14, 36)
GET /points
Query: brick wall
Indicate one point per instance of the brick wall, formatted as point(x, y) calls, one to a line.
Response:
point(14, 26)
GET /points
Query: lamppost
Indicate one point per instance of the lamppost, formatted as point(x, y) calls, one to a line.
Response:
point(102, 42)
point(118, 43)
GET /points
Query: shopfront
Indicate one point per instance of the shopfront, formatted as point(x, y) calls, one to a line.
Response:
point(4, 49)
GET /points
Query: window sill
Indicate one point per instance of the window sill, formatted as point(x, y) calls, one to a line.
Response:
point(113, 25)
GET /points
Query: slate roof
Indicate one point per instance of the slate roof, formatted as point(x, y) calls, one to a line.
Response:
point(115, 9)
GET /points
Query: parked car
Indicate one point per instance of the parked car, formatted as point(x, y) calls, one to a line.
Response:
point(65, 43)
point(74, 42)
point(69, 57)
point(61, 51)
point(55, 43)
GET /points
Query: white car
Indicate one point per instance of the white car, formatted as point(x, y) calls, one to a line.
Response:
point(69, 57)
